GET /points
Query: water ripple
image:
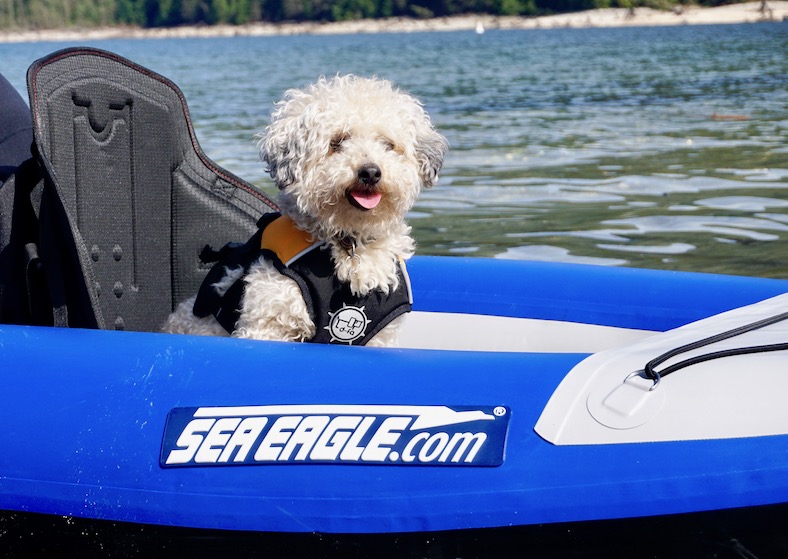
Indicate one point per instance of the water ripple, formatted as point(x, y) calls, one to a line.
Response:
point(663, 144)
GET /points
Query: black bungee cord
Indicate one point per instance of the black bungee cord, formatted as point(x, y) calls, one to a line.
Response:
point(650, 372)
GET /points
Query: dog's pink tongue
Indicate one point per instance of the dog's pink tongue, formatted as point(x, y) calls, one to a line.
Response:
point(366, 199)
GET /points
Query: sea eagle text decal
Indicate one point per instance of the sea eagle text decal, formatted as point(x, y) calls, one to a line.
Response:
point(335, 434)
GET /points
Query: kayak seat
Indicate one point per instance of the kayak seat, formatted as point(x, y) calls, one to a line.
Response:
point(129, 199)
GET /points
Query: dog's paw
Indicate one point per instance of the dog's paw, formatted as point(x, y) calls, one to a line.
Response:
point(272, 307)
point(183, 321)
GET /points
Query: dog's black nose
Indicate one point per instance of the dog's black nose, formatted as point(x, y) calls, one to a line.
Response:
point(369, 174)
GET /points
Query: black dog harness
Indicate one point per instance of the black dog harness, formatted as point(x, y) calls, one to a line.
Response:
point(339, 316)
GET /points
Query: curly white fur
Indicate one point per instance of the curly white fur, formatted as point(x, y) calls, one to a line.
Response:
point(349, 156)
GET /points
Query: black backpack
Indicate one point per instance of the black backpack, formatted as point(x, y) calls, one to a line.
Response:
point(103, 226)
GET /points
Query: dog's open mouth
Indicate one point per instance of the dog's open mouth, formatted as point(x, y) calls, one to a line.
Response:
point(364, 198)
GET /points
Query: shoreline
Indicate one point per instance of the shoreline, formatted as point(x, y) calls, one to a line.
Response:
point(603, 18)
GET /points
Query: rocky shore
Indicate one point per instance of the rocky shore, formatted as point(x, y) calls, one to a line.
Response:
point(750, 12)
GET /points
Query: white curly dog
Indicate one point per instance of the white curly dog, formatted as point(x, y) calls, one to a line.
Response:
point(349, 156)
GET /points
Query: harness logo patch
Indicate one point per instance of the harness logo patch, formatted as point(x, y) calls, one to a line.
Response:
point(348, 324)
point(335, 434)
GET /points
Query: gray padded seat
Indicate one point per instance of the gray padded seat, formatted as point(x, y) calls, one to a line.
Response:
point(129, 180)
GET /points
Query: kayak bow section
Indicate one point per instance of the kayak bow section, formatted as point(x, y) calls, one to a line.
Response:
point(272, 436)
point(607, 398)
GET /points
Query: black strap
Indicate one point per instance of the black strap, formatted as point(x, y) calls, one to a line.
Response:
point(225, 307)
point(649, 369)
point(24, 292)
point(35, 248)
point(69, 275)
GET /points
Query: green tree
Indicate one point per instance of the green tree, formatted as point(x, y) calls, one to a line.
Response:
point(130, 12)
point(354, 9)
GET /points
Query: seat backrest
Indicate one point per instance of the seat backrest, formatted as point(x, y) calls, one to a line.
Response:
point(131, 185)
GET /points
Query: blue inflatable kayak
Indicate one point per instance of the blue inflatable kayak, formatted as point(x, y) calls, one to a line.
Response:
point(551, 408)
point(519, 398)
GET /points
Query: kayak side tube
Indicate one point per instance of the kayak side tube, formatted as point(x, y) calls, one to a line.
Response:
point(281, 437)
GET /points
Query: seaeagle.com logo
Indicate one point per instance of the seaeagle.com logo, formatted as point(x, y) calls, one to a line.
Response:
point(335, 434)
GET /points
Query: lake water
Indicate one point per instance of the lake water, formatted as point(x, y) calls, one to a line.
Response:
point(646, 147)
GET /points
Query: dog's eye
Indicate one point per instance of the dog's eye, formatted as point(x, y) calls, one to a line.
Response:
point(336, 143)
point(388, 144)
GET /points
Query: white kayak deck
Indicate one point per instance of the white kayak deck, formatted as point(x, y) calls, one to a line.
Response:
point(476, 332)
point(601, 402)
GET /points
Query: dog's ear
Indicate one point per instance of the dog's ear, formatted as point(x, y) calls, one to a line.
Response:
point(278, 153)
point(430, 151)
point(278, 167)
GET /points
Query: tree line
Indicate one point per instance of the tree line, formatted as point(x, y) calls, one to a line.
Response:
point(46, 14)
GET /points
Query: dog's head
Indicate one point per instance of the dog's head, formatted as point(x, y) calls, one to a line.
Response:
point(351, 154)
